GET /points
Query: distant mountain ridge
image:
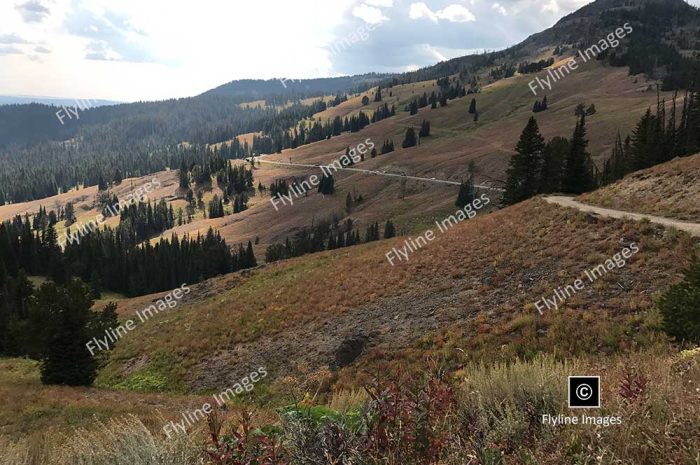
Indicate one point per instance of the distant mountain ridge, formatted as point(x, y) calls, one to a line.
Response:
point(289, 88)
point(55, 101)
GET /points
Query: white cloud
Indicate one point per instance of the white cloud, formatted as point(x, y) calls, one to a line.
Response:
point(421, 10)
point(498, 7)
point(382, 3)
point(369, 14)
point(453, 13)
point(456, 14)
point(432, 51)
point(552, 6)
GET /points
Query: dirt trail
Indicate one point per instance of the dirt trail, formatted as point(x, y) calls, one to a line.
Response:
point(692, 228)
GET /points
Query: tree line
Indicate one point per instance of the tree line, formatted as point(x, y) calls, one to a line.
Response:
point(564, 165)
point(328, 234)
point(108, 261)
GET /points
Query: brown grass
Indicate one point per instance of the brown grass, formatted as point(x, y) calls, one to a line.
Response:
point(670, 190)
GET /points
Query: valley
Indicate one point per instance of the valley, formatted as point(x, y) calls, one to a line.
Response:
point(402, 267)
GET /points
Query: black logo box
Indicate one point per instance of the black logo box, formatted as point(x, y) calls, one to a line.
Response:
point(584, 391)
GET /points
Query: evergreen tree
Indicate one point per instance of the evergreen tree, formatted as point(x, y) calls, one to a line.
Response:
point(387, 146)
point(327, 184)
point(250, 260)
point(466, 193)
point(424, 129)
point(183, 177)
point(69, 214)
point(389, 230)
point(216, 207)
point(472, 106)
point(66, 359)
point(578, 172)
point(410, 138)
point(553, 160)
point(618, 164)
point(101, 184)
point(680, 307)
point(525, 165)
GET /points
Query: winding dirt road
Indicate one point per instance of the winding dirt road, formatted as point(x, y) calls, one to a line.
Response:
point(692, 228)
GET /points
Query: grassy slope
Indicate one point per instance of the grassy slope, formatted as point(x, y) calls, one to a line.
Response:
point(456, 140)
point(473, 288)
point(670, 190)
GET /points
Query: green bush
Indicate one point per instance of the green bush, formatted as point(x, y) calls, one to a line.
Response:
point(680, 307)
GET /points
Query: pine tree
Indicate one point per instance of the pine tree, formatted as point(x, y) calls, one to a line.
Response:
point(424, 129)
point(66, 359)
point(618, 164)
point(250, 260)
point(389, 230)
point(525, 165)
point(680, 306)
point(327, 184)
point(578, 172)
point(184, 177)
point(69, 214)
point(466, 193)
point(553, 160)
point(410, 138)
point(472, 107)
point(387, 147)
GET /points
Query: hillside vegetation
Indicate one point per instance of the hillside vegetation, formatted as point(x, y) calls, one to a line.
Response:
point(669, 190)
point(472, 289)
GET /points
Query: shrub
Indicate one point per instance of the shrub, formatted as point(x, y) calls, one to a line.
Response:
point(125, 441)
point(501, 406)
point(244, 446)
point(680, 306)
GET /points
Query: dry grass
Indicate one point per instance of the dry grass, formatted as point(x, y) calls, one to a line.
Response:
point(499, 407)
point(670, 190)
point(471, 290)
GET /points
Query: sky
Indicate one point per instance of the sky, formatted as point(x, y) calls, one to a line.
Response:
point(130, 50)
